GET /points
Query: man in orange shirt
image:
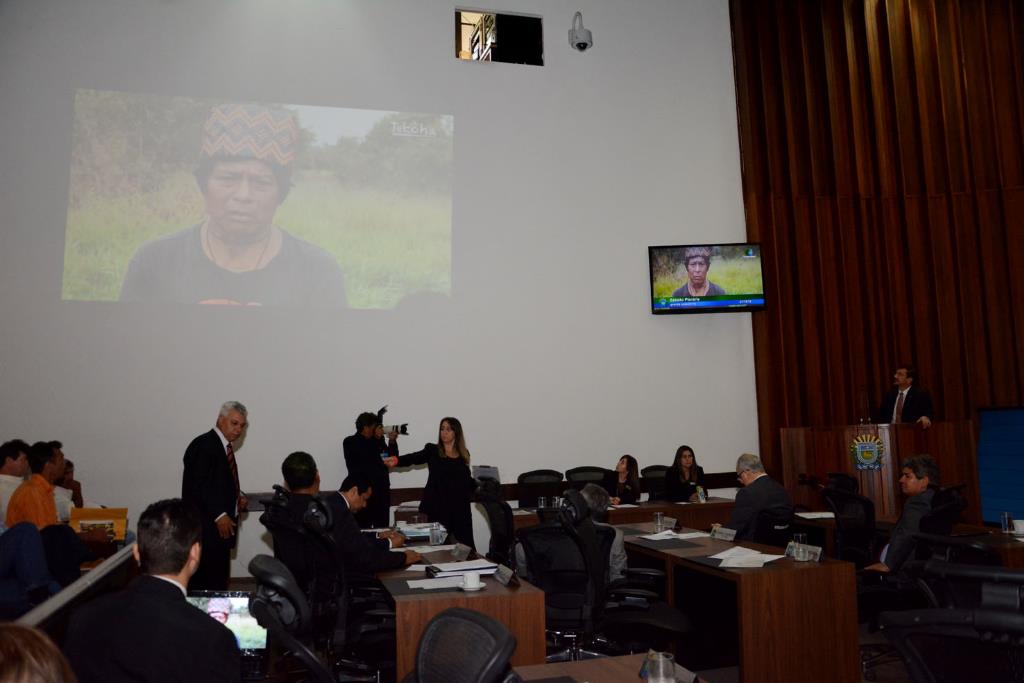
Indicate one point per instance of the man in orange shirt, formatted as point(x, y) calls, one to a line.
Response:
point(33, 501)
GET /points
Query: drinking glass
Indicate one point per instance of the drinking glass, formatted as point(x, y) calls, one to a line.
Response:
point(800, 552)
point(542, 502)
point(661, 668)
point(437, 534)
point(659, 521)
point(417, 519)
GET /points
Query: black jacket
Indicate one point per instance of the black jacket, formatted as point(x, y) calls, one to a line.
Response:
point(363, 456)
point(360, 551)
point(764, 493)
point(916, 405)
point(677, 490)
point(448, 493)
point(148, 632)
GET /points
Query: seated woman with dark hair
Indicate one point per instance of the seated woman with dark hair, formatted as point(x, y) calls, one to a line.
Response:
point(626, 484)
point(683, 478)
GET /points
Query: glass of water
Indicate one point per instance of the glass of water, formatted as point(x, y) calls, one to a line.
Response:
point(661, 668)
point(800, 551)
point(542, 502)
point(659, 521)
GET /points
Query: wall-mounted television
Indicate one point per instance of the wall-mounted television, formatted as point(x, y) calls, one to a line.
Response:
point(706, 278)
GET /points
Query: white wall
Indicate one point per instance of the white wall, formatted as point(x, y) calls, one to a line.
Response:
point(564, 174)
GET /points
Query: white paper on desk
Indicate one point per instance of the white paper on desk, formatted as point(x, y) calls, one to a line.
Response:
point(684, 502)
point(625, 505)
point(739, 556)
point(660, 536)
point(521, 511)
point(482, 566)
point(694, 534)
point(816, 515)
point(449, 582)
point(416, 568)
point(424, 549)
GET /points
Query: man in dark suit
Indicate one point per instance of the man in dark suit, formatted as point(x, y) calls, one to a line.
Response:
point(760, 493)
point(148, 632)
point(370, 457)
point(362, 553)
point(210, 482)
point(920, 478)
point(906, 403)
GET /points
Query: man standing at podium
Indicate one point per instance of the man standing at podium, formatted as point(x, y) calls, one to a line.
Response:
point(906, 403)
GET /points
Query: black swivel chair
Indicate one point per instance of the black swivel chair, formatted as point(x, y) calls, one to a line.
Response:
point(500, 520)
point(983, 641)
point(280, 606)
point(842, 482)
point(463, 646)
point(578, 477)
point(774, 528)
point(568, 559)
point(856, 534)
point(653, 478)
point(537, 483)
point(341, 625)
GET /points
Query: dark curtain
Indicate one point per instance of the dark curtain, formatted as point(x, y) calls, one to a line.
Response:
point(882, 147)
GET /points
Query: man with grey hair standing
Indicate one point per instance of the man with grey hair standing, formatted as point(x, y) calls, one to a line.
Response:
point(210, 482)
point(760, 493)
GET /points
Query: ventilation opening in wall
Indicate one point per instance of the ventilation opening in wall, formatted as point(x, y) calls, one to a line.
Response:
point(511, 38)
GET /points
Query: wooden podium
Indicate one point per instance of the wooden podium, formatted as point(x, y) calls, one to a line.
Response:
point(816, 451)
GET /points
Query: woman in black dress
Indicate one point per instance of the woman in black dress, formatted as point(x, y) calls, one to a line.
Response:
point(450, 485)
point(683, 478)
point(627, 481)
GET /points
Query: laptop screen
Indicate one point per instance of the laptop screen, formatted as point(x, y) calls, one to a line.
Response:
point(231, 608)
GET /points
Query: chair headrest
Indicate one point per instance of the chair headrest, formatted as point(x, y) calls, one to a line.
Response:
point(277, 587)
point(574, 508)
point(317, 516)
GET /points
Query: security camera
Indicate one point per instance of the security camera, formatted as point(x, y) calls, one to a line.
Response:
point(579, 37)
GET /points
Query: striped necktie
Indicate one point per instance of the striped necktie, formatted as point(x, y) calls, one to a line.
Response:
point(234, 469)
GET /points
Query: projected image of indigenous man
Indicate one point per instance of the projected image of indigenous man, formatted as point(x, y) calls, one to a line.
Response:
point(236, 255)
point(697, 261)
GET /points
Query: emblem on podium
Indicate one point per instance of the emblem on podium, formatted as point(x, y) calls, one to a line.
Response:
point(867, 451)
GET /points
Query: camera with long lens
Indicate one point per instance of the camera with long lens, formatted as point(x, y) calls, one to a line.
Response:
point(400, 428)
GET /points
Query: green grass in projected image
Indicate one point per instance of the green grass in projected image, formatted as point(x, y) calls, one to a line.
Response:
point(735, 275)
point(370, 234)
point(372, 188)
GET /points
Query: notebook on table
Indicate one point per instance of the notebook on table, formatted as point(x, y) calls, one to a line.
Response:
point(251, 637)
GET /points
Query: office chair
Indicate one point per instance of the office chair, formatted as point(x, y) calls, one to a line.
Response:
point(279, 605)
point(855, 525)
point(463, 646)
point(568, 559)
point(340, 625)
point(653, 477)
point(537, 483)
point(500, 520)
point(578, 477)
point(983, 641)
point(774, 528)
point(842, 481)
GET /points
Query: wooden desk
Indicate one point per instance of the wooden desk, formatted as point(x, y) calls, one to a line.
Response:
point(603, 670)
point(692, 515)
point(788, 621)
point(1011, 551)
point(520, 609)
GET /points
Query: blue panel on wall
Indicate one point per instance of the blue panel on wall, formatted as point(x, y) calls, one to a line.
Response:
point(1001, 463)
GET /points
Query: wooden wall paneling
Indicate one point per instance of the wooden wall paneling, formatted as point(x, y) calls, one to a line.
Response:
point(984, 159)
point(883, 166)
point(903, 84)
point(1004, 77)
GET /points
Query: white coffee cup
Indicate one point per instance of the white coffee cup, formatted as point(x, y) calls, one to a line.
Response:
point(1018, 527)
point(471, 580)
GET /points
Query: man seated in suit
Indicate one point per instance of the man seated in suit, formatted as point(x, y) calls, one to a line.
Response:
point(598, 500)
point(906, 403)
point(760, 493)
point(148, 632)
point(919, 479)
point(362, 553)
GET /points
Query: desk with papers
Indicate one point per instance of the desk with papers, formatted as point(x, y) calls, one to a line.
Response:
point(777, 619)
point(520, 609)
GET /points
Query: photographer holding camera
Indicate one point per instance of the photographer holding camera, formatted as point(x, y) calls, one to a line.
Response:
point(367, 454)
